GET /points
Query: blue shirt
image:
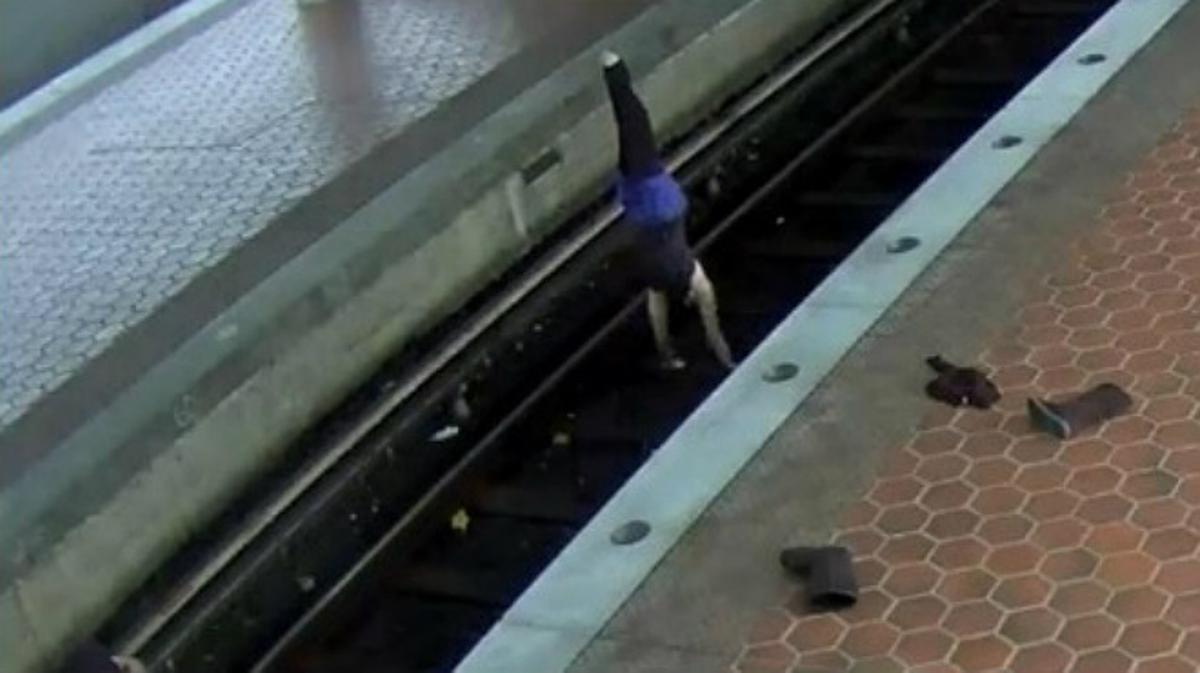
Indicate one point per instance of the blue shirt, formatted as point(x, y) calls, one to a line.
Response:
point(653, 200)
point(655, 209)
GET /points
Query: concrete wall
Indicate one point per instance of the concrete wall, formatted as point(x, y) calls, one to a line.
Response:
point(41, 38)
point(361, 293)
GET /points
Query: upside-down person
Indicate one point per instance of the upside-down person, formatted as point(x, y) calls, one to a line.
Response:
point(655, 211)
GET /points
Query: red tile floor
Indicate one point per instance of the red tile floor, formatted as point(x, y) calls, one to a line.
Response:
point(983, 546)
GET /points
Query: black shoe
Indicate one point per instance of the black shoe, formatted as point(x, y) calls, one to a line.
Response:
point(1070, 417)
point(798, 560)
point(828, 572)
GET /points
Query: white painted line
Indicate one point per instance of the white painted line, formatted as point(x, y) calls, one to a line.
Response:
point(53, 97)
point(571, 601)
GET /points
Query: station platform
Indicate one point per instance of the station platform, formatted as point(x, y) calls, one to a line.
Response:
point(218, 240)
point(122, 202)
point(189, 165)
point(981, 545)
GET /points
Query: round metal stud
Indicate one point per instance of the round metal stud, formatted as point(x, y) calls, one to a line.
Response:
point(1005, 142)
point(903, 244)
point(781, 372)
point(630, 532)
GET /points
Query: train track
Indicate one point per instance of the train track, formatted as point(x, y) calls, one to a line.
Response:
point(427, 504)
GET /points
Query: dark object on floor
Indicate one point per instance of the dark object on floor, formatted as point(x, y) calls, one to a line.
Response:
point(828, 572)
point(1072, 416)
point(957, 386)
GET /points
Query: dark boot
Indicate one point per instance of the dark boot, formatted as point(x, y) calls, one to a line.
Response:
point(829, 573)
point(1070, 417)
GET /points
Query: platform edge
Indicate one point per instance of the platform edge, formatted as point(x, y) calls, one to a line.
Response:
point(568, 605)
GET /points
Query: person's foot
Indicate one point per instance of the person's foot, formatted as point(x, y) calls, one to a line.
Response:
point(1046, 417)
point(672, 363)
point(609, 58)
point(724, 355)
point(129, 664)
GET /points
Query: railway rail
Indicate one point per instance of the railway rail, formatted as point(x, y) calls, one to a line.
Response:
point(412, 516)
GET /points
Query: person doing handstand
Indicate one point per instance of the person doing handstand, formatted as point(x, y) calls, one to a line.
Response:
point(655, 212)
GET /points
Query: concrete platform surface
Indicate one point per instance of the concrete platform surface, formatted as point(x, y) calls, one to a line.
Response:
point(981, 545)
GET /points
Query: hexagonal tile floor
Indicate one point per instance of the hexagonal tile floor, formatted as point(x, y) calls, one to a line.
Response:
point(984, 546)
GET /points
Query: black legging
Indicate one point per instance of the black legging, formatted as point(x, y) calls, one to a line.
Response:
point(635, 136)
